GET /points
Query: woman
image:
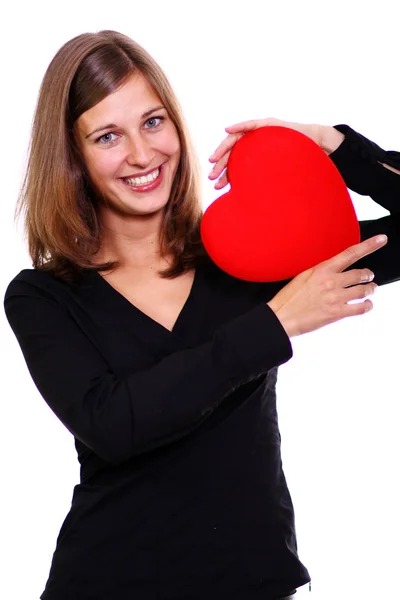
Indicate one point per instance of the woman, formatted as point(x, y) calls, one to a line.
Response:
point(162, 366)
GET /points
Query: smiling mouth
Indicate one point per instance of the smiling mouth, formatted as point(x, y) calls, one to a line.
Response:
point(144, 180)
point(147, 182)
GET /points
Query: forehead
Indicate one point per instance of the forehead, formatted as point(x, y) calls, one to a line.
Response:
point(132, 99)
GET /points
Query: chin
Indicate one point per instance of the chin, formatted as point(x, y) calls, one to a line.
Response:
point(143, 207)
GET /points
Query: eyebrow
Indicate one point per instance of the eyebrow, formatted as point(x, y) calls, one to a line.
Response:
point(112, 125)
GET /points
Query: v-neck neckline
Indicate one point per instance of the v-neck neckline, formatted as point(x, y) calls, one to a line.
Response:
point(144, 316)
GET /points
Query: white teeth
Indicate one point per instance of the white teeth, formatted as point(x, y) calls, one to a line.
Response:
point(136, 181)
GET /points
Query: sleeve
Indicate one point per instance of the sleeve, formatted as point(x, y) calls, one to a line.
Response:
point(119, 417)
point(359, 163)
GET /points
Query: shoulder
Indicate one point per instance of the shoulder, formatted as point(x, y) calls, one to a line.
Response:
point(31, 280)
point(38, 283)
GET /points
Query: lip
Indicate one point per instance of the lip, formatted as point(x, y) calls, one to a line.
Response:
point(148, 187)
point(143, 174)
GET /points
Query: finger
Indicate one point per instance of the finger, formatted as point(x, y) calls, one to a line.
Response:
point(222, 181)
point(351, 255)
point(225, 146)
point(245, 126)
point(355, 277)
point(359, 308)
point(219, 166)
point(358, 292)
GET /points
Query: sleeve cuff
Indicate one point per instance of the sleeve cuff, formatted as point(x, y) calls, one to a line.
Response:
point(358, 161)
point(259, 341)
point(356, 146)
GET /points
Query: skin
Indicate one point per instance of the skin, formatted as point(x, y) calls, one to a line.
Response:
point(136, 144)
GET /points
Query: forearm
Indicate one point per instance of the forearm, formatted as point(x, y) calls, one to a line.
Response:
point(364, 167)
point(371, 171)
point(331, 139)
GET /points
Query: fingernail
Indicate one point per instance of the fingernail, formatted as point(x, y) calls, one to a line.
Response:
point(367, 277)
point(381, 238)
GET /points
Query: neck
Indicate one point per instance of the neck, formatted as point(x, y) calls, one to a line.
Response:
point(132, 241)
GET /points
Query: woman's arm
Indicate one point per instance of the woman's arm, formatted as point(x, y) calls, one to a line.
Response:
point(119, 417)
point(371, 171)
point(332, 138)
point(366, 169)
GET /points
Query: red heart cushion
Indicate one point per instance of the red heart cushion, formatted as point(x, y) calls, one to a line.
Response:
point(288, 208)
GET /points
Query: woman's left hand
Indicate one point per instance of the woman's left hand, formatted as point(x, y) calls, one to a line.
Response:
point(221, 155)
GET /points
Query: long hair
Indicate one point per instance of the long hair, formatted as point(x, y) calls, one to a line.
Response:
point(62, 225)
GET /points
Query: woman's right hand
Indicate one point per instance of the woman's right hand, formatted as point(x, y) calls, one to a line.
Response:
point(320, 295)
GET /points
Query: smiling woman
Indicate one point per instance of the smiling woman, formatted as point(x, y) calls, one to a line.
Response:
point(107, 84)
point(162, 366)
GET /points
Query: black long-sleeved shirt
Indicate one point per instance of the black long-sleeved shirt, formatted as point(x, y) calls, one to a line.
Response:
point(182, 492)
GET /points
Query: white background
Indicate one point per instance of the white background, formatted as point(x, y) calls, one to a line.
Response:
point(322, 62)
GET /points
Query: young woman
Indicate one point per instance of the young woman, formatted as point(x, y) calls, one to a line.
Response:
point(162, 366)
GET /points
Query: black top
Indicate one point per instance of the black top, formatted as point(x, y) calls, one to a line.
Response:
point(182, 492)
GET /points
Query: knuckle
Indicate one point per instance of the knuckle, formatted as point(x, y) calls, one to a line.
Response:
point(350, 254)
point(328, 284)
point(364, 291)
point(370, 289)
point(358, 309)
point(365, 307)
point(366, 275)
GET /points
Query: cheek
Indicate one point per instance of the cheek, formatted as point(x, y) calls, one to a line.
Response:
point(171, 142)
point(102, 165)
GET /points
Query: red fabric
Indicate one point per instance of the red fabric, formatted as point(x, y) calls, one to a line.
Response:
point(288, 208)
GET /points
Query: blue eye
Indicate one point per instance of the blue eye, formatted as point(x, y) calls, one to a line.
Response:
point(152, 120)
point(103, 139)
point(107, 139)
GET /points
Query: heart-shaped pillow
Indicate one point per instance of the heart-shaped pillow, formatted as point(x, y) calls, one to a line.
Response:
point(288, 208)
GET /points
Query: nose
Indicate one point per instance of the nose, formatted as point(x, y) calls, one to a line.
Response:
point(139, 151)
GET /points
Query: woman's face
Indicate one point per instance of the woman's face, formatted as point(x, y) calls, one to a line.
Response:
point(131, 149)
